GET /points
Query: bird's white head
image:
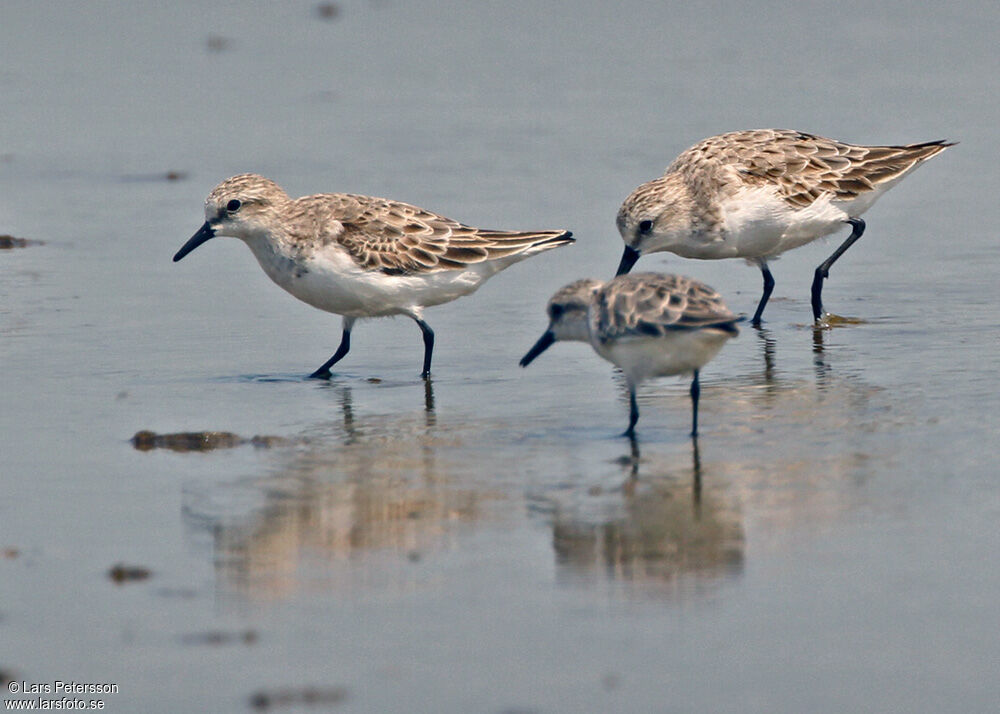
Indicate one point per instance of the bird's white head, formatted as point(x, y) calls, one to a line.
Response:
point(655, 217)
point(243, 206)
point(568, 317)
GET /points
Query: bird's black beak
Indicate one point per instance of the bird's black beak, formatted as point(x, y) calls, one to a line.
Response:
point(206, 232)
point(628, 260)
point(544, 342)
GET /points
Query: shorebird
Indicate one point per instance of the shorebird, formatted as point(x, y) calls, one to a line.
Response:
point(756, 194)
point(359, 256)
point(647, 324)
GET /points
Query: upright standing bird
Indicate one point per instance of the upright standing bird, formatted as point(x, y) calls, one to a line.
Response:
point(647, 324)
point(359, 256)
point(755, 194)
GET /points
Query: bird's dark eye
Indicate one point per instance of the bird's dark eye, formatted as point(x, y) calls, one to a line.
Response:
point(645, 226)
point(233, 206)
point(556, 311)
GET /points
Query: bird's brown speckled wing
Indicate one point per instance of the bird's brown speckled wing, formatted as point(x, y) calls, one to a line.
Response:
point(400, 239)
point(802, 166)
point(651, 304)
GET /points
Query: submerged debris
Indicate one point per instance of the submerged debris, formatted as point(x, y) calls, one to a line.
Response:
point(121, 573)
point(201, 441)
point(217, 43)
point(307, 696)
point(832, 320)
point(328, 10)
point(267, 442)
point(218, 637)
point(8, 241)
point(163, 176)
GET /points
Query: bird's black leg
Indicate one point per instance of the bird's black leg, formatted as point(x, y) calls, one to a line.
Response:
point(345, 345)
point(633, 412)
point(823, 271)
point(695, 393)
point(768, 287)
point(428, 346)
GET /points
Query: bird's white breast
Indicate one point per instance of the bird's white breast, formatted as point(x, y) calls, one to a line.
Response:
point(331, 280)
point(760, 223)
point(678, 352)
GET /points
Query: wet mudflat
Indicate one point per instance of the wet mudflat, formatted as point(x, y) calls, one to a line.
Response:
point(184, 514)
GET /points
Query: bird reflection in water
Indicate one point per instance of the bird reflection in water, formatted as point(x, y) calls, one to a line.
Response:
point(767, 350)
point(345, 397)
point(819, 360)
point(429, 402)
point(662, 528)
point(370, 494)
point(770, 378)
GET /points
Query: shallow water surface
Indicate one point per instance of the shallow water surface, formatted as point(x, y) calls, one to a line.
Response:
point(485, 541)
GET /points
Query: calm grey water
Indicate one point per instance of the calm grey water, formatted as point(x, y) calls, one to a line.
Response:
point(488, 544)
